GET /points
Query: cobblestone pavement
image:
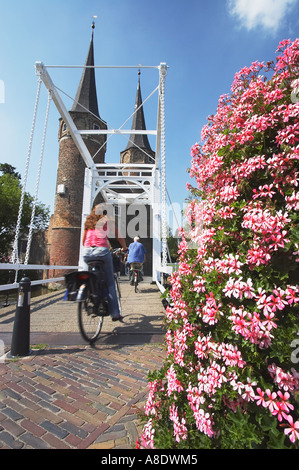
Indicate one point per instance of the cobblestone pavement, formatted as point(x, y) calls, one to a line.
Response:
point(68, 395)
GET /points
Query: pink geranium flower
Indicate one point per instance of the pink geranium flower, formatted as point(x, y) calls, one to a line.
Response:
point(284, 400)
point(260, 397)
point(291, 294)
point(293, 430)
point(271, 403)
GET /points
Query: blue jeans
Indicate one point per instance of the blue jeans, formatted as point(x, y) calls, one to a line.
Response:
point(103, 254)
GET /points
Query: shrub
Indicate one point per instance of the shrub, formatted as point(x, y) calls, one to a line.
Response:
point(229, 379)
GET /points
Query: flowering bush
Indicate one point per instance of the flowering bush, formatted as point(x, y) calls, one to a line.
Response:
point(229, 378)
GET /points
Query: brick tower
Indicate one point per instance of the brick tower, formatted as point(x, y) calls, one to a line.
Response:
point(139, 150)
point(66, 221)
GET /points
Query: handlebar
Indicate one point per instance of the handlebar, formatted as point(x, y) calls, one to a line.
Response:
point(119, 250)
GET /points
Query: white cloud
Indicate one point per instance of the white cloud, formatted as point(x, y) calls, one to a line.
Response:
point(267, 14)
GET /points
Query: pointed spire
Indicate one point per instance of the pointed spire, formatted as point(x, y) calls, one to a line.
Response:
point(87, 93)
point(138, 123)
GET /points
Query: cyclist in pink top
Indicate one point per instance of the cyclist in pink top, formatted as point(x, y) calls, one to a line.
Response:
point(96, 247)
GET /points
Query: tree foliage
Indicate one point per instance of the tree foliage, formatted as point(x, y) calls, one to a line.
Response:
point(10, 195)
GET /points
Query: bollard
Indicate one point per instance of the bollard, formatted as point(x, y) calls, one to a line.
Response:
point(21, 329)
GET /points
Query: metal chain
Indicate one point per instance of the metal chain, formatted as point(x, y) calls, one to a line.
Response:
point(15, 255)
point(37, 181)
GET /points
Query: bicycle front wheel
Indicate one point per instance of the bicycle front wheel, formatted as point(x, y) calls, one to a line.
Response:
point(90, 323)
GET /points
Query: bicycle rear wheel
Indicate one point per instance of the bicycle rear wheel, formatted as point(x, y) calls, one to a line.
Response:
point(90, 323)
point(136, 281)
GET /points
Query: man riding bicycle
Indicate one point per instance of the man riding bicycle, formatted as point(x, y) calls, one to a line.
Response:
point(136, 256)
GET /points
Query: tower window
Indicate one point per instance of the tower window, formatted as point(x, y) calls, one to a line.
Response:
point(95, 126)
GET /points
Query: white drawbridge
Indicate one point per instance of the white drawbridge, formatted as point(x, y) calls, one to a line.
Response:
point(147, 181)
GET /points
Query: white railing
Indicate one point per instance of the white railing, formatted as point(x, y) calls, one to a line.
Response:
point(18, 266)
point(135, 170)
point(25, 267)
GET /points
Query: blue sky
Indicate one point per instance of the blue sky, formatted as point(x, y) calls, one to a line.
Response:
point(204, 43)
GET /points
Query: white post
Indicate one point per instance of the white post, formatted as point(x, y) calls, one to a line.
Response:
point(159, 190)
point(163, 72)
point(156, 205)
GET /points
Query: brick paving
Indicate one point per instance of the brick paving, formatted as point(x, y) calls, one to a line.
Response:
point(75, 397)
point(68, 395)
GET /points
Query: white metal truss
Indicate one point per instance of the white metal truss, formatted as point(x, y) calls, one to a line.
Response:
point(124, 183)
point(115, 180)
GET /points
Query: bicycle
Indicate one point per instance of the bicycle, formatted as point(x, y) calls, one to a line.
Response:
point(89, 289)
point(136, 274)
